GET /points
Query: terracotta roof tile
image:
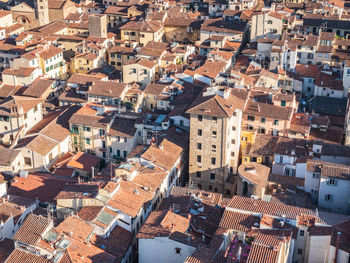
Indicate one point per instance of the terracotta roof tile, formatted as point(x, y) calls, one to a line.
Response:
point(32, 229)
point(238, 221)
point(75, 228)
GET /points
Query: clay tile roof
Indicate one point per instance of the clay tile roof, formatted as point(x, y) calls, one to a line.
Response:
point(151, 228)
point(154, 88)
point(50, 52)
point(329, 170)
point(268, 110)
point(130, 198)
point(85, 252)
point(89, 213)
point(108, 89)
point(254, 173)
point(216, 106)
point(81, 191)
point(21, 72)
point(276, 15)
point(123, 127)
point(146, 63)
point(84, 78)
point(142, 26)
point(238, 221)
point(264, 249)
point(164, 156)
point(32, 229)
point(175, 222)
point(40, 144)
point(206, 255)
point(83, 161)
point(76, 228)
point(263, 207)
point(151, 178)
point(307, 70)
point(223, 26)
point(7, 156)
point(38, 87)
point(116, 244)
point(41, 185)
point(22, 256)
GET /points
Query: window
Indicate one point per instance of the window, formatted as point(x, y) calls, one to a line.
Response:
point(315, 176)
point(199, 186)
point(233, 141)
point(281, 159)
point(87, 140)
point(244, 138)
point(212, 176)
point(200, 117)
point(283, 103)
point(178, 250)
point(263, 120)
point(199, 132)
point(213, 160)
point(88, 129)
point(199, 146)
point(213, 148)
point(301, 232)
point(332, 181)
point(145, 71)
point(269, 22)
point(215, 119)
point(232, 154)
point(198, 174)
point(328, 197)
point(210, 188)
point(300, 251)
point(275, 122)
point(199, 158)
point(228, 192)
point(233, 128)
point(214, 133)
point(251, 118)
point(133, 70)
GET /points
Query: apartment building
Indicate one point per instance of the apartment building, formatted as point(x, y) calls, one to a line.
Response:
point(51, 61)
point(18, 115)
point(119, 55)
point(328, 183)
point(139, 70)
point(89, 131)
point(266, 24)
point(266, 118)
point(215, 127)
point(142, 31)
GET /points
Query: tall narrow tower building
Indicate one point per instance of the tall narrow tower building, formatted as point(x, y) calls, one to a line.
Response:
point(43, 12)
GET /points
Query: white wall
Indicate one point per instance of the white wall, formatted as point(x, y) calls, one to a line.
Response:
point(342, 256)
point(162, 249)
point(318, 248)
point(340, 193)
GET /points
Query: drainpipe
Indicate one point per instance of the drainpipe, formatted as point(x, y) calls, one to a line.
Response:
point(337, 247)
